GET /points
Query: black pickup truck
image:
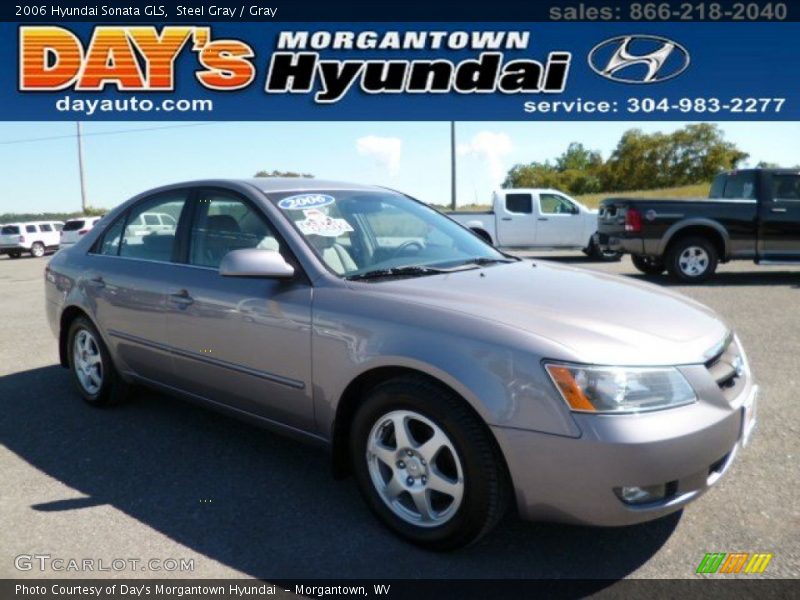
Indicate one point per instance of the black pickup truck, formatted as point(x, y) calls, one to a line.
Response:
point(750, 214)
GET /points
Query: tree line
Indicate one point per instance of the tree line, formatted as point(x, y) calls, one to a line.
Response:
point(640, 161)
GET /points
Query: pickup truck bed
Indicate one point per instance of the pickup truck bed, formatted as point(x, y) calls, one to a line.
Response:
point(752, 214)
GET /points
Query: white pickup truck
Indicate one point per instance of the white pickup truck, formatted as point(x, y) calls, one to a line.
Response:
point(536, 218)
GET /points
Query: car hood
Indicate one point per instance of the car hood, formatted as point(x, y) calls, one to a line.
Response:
point(594, 317)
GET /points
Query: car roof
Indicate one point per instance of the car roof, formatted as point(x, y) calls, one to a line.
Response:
point(285, 184)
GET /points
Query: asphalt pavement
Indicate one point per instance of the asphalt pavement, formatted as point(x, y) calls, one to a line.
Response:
point(160, 479)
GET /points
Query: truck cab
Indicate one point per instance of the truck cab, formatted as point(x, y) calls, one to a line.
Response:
point(533, 218)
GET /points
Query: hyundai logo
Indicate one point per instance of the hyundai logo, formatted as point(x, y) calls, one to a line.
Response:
point(638, 59)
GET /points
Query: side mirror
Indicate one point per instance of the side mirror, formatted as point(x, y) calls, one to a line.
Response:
point(254, 262)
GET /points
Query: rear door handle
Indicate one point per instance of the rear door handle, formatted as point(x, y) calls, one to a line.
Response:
point(778, 210)
point(506, 218)
point(182, 298)
point(542, 219)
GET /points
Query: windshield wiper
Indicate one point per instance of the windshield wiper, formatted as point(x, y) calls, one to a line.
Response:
point(407, 271)
point(482, 260)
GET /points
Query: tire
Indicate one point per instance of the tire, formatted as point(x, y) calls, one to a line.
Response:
point(598, 253)
point(94, 366)
point(14, 254)
point(647, 264)
point(37, 250)
point(448, 449)
point(692, 259)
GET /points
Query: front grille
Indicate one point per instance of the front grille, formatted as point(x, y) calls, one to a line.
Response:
point(727, 369)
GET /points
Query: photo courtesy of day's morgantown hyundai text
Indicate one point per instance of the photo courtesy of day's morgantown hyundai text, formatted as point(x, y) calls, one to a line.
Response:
point(452, 380)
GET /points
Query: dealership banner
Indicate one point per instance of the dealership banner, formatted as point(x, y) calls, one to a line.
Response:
point(579, 61)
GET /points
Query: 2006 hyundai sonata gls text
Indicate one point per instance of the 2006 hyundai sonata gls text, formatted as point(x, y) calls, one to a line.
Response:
point(449, 378)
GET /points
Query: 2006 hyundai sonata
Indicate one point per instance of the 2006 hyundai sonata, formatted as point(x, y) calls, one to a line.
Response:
point(449, 378)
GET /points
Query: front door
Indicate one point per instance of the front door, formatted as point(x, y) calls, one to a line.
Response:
point(779, 232)
point(559, 223)
point(242, 342)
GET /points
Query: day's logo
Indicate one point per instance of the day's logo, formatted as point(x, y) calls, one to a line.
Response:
point(638, 59)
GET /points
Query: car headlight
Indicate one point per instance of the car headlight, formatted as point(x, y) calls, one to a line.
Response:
point(620, 389)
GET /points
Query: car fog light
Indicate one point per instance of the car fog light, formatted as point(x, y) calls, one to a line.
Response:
point(641, 495)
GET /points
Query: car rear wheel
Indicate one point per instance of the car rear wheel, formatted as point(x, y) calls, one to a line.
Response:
point(91, 365)
point(426, 465)
point(37, 250)
point(14, 254)
point(648, 265)
point(692, 259)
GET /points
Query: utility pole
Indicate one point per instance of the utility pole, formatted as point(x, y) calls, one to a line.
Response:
point(453, 165)
point(80, 168)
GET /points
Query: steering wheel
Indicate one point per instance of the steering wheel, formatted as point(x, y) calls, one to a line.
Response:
point(405, 246)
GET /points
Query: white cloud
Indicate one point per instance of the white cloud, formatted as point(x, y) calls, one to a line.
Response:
point(492, 147)
point(385, 151)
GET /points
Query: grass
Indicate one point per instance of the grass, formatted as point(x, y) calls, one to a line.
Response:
point(686, 192)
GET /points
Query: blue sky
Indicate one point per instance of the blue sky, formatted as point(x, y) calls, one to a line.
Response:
point(410, 156)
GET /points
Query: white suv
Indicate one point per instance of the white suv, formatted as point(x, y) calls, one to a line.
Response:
point(35, 237)
point(75, 229)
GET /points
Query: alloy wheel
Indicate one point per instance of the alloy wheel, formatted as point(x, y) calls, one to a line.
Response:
point(415, 468)
point(88, 362)
point(693, 261)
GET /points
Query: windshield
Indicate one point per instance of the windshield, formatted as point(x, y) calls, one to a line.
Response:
point(73, 225)
point(360, 232)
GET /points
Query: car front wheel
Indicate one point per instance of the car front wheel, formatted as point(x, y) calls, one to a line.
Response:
point(425, 464)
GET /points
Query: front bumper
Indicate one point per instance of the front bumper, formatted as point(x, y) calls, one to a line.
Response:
point(573, 480)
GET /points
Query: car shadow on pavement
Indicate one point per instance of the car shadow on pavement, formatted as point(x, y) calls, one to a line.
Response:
point(738, 278)
point(260, 503)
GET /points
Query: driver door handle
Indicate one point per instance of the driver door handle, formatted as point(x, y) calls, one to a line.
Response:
point(542, 219)
point(778, 210)
point(506, 218)
point(182, 298)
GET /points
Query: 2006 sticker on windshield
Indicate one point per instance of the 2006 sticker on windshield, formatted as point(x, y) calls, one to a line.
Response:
point(318, 223)
point(304, 201)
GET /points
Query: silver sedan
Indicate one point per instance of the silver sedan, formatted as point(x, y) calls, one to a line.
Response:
point(450, 379)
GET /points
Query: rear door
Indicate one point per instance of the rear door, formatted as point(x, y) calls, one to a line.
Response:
point(559, 222)
point(243, 342)
point(515, 219)
point(779, 228)
point(129, 273)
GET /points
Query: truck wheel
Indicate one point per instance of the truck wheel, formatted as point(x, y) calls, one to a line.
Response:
point(692, 259)
point(648, 265)
point(37, 250)
point(426, 465)
point(14, 254)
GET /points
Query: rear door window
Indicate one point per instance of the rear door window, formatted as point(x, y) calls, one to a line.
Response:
point(46, 227)
point(73, 225)
point(519, 203)
point(740, 186)
point(150, 240)
point(30, 228)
